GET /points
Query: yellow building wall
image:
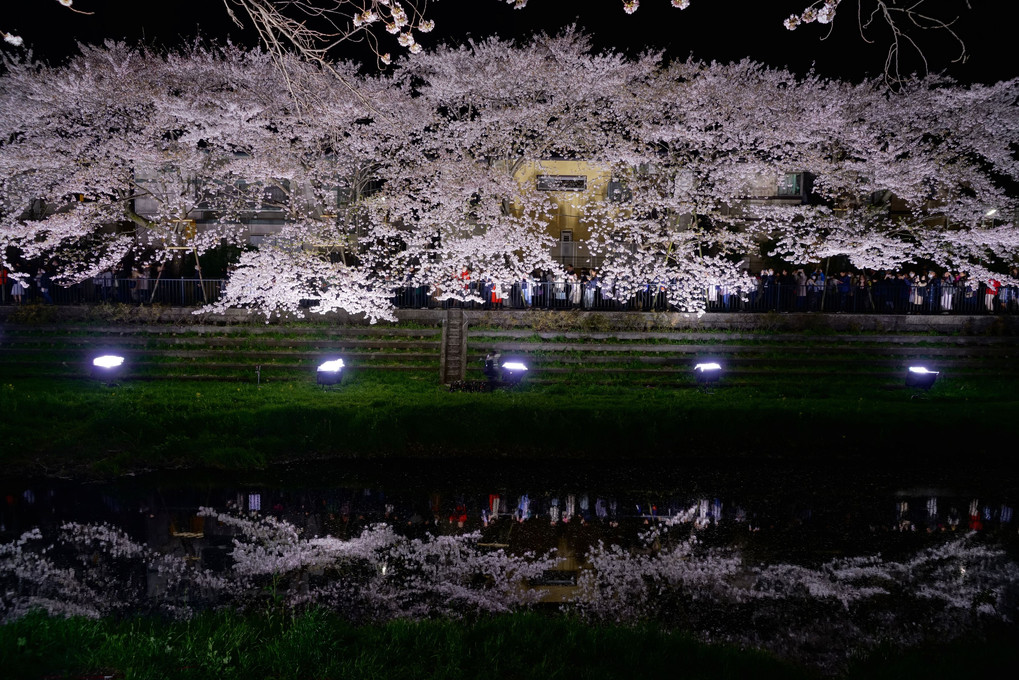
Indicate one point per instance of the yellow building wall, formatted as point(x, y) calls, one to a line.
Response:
point(569, 204)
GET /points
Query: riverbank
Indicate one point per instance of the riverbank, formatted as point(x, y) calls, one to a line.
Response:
point(64, 427)
point(243, 398)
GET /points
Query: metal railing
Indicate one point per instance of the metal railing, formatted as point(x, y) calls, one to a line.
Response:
point(878, 298)
point(174, 292)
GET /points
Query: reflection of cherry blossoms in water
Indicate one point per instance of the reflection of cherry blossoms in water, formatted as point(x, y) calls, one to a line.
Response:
point(819, 615)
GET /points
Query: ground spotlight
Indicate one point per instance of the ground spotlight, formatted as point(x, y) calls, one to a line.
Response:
point(107, 367)
point(513, 372)
point(708, 372)
point(920, 377)
point(330, 372)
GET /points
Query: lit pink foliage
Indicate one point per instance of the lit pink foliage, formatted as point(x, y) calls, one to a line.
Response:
point(109, 156)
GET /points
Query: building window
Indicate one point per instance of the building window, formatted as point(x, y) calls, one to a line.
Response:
point(617, 192)
point(791, 184)
point(562, 182)
point(566, 236)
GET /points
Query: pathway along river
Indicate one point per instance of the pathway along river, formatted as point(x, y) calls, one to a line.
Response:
point(814, 564)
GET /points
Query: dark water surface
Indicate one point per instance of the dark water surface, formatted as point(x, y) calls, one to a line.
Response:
point(817, 564)
point(793, 512)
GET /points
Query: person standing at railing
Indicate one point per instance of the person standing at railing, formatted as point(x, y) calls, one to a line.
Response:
point(590, 288)
point(1008, 295)
point(902, 290)
point(972, 292)
point(815, 289)
point(786, 290)
point(993, 285)
point(526, 291)
point(143, 285)
point(17, 290)
point(919, 293)
point(496, 294)
point(42, 280)
point(105, 284)
point(840, 285)
point(800, 278)
point(947, 292)
point(573, 284)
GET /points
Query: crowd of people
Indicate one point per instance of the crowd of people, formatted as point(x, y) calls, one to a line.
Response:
point(909, 292)
point(784, 290)
point(138, 285)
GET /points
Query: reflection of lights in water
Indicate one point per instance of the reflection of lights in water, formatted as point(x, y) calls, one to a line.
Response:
point(254, 502)
point(932, 507)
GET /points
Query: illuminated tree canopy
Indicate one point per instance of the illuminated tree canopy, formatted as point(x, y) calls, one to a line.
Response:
point(126, 154)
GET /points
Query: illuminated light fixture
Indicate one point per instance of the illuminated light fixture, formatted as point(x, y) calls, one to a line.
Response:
point(513, 372)
point(107, 367)
point(108, 361)
point(330, 372)
point(708, 372)
point(920, 377)
point(991, 213)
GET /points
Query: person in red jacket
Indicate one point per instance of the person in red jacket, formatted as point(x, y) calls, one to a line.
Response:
point(993, 285)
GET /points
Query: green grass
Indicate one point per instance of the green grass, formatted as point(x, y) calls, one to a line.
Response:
point(72, 426)
point(205, 410)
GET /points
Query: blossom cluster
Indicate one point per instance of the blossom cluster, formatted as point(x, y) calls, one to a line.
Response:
point(822, 11)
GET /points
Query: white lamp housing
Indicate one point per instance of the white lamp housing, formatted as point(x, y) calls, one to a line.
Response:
point(513, 372)
point(330, 372)
point(708, 371)
point(107, 367)
point(108, 361)
point(921, 377)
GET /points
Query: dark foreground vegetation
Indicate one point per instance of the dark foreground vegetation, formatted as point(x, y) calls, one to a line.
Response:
point(320, 645)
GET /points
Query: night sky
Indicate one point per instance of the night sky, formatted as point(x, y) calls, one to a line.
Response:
point(723, 30)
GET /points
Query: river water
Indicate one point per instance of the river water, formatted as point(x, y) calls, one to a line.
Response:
point(733, 550)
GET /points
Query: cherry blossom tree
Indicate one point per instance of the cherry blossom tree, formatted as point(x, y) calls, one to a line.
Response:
point(128, 155)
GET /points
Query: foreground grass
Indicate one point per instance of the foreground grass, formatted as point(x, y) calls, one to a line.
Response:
point(319, 645)
point(75, 426)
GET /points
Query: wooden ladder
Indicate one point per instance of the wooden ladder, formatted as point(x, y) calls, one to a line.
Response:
point(453, 357)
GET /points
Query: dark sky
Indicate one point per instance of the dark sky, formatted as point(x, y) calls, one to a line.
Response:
point(723, 30)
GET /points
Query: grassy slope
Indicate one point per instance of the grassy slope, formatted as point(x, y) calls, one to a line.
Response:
point(68, 426)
